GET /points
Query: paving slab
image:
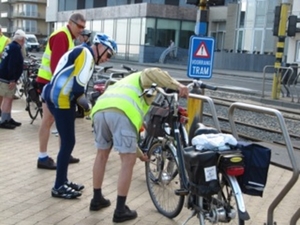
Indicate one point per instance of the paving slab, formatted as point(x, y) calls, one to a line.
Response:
point(25, 197)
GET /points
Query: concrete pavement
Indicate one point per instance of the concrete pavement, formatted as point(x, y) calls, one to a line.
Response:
point(25, 197)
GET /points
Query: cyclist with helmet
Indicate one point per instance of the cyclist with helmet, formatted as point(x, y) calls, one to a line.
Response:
point(61, 94)
point(85, 37)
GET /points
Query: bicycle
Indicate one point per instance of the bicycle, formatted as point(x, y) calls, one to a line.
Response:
point(171, 174)
point(30, 67)
point(33, 100)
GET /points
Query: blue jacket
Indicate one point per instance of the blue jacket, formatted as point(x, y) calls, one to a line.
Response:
point(11, 66)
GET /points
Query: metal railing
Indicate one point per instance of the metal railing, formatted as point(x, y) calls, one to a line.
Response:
point(211, 106)
point(288, 81)
point(288, 144)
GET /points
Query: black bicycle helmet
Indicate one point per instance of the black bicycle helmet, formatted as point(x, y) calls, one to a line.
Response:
point(86, 33)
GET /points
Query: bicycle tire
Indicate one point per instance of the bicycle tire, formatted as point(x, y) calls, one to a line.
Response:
point(162, 190)
point(226, 198)
point(33, 109)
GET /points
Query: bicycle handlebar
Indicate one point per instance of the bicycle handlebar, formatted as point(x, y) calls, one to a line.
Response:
point(129, 69)
point(200, 84)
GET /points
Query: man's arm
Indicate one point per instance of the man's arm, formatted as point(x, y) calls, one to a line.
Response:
point(59, 45)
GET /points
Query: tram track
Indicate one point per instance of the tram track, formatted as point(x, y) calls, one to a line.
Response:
point(267, 129)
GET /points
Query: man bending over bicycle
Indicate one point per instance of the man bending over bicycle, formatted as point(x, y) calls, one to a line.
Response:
point(117, 117)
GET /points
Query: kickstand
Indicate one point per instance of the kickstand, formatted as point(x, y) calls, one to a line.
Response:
point(191, 216)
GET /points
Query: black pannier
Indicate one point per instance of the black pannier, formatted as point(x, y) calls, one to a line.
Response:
point(157, 118)
point(257, 159)
point(33, 92)
point(201, 167)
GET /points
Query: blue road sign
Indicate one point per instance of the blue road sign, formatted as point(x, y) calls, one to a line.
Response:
point(201, 55)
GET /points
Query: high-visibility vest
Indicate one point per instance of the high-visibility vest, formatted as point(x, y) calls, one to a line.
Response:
point(3, 42)
point(125, 96)
point(45, 70)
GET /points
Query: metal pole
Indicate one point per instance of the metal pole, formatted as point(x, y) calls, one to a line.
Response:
point(285, 7)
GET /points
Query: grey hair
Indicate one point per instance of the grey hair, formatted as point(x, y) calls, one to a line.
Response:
point(77, 17)
point(18, 38)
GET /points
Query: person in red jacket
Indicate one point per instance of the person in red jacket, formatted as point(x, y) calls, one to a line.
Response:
point(60, 42)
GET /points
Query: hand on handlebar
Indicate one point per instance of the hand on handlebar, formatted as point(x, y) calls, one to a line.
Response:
point(183, 91)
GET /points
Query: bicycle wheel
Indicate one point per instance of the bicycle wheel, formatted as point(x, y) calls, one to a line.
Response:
point(20, 87)
point(223, 207)
point(33, 108)
point(162, 180)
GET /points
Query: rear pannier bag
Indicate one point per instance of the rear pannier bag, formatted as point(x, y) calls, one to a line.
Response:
point(201, 167)
point(257, 159)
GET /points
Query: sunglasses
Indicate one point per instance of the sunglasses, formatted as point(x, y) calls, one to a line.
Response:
point(109, 54)
point(78, 25)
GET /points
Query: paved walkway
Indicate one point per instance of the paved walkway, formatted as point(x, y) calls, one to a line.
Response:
point(25, 190)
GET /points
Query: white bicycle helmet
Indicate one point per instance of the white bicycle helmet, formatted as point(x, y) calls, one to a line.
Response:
point(107, 41)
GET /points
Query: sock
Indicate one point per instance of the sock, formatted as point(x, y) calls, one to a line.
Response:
point(97, 194)
point(121, 203)
point(4, 117)
point(43, 156)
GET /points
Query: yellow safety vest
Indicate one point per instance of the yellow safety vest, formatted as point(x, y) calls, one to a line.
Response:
point(3, 41)
point(125, 96)
point(45, 70)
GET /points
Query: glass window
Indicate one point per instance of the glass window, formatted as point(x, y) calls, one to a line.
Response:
point(29, 10)
point(250, 14)
point(187, 30)
point(172, 2)
point(240, 34)
point(269, 41)
point(298, 51)
point(257, 43)
point(70, 5)
point(143, 30)
point(167, 30)
point(134, 52)
point(97, 25)
point(80, 4)
point(121, 31)
point(135, 31)
point(108, 27)
point(150, 32)
point(61, 5)
point(248, 35)
point(89, 4)
point(30, 26)
point(100, 3)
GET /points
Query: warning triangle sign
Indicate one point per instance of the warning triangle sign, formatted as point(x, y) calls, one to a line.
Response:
point(201, 51)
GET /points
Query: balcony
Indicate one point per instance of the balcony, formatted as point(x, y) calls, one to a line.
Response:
point(24, 1)
point(24, 15)
point(31, 30)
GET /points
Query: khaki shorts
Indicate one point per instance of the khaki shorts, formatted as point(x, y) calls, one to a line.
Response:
point(5, 91)
point(114, 129)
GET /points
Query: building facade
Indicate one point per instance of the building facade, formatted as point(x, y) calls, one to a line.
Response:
point(28, 15)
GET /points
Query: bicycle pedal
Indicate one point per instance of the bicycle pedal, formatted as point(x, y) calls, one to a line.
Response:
point(181, 192)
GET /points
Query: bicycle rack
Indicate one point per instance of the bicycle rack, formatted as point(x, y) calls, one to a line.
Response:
point(264, 76)
point(212, 108)
point(290, 86)
point(289, 146)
